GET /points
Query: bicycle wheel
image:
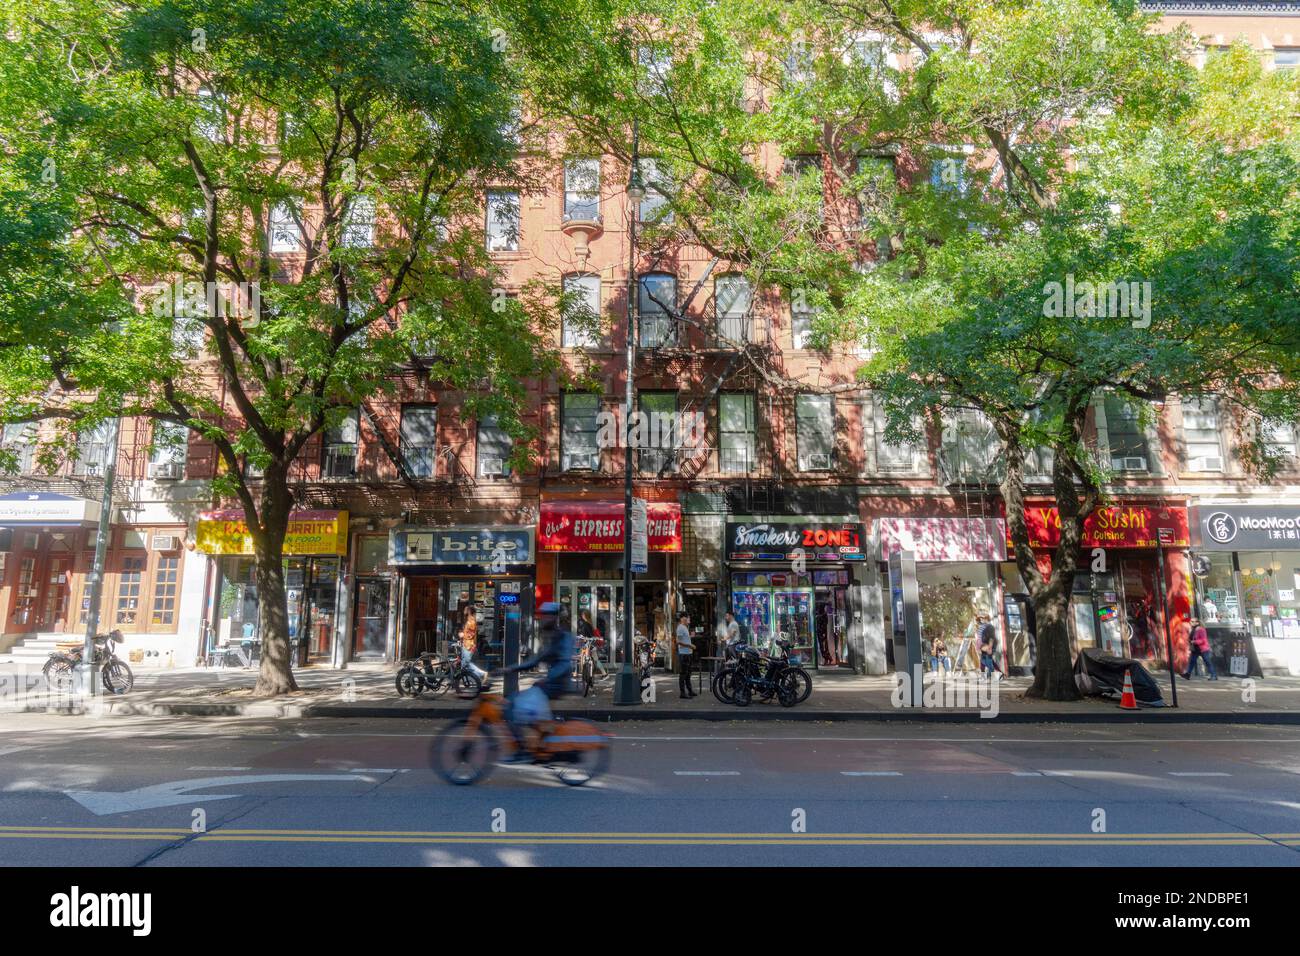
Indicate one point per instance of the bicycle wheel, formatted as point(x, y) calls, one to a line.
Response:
point(461, 755)
point(787, 690)
point(58, 672)
point(118, 678)
point(803, 680)
point(467, 685)
point(586, 759)
point(588, 676)
point(408, 682)
point(721, 685)
point(437, 683)
point(741, 693)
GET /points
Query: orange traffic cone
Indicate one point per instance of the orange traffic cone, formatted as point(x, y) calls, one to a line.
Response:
point(1128, 700)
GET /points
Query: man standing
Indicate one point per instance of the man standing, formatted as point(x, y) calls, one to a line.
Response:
point(685, 649)
point(986, 638)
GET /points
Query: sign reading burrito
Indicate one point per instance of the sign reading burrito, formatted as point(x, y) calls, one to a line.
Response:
point(310, 532)
point(1246, 527)
point(462, 544)
point(764, 541)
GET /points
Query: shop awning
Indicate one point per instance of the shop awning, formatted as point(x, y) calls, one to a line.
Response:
point(596, 527)
point(310, 532)
point(1113, 526)
point(944, 539)
point(47, 509)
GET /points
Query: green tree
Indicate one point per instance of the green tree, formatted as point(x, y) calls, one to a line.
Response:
point(191, 140)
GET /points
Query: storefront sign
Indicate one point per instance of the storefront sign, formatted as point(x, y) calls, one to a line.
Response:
point(310, 532)
point(597, 526)
point(763, 541)
point(1246, 527)
point(943, 539)
point(47, 508)
point(1116, 526)
point(499, 546)
point(640, 542)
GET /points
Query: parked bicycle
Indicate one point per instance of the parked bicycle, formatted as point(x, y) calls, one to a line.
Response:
point(584, 664)
point(746, 672)
point(468, 750)
point(115, 675)
point(435, 674)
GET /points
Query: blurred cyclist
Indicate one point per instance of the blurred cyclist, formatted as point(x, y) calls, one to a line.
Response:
point(557, 650)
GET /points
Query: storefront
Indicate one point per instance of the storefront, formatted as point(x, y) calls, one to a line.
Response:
point(450, 573)
point(1132, 575)
point(790, 580)
point(1247, 578)
point(314, 547)
point(584, 540)
point(957, 578)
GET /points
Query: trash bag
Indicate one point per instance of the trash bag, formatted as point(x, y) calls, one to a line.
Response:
point(531, 706)
point(1097, 673)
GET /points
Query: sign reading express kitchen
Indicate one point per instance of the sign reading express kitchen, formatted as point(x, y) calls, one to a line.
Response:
point(1116, 526)
point(761, 541)
point(310, 532)
point(1246, 527)
point(597, 526)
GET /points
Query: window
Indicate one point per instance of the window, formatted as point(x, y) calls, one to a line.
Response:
point(582, 190)
point(736, 433)
point(20, 440)
point(810, 165)
point(948, 170)
point(502, 221)
point(1280, 438)
point(92, 450)
point(170, 441)
point(971, 448)
point(494, 448)
point(656, 301)
point(798, 63)
point(188, 334)
point(340, 448)
point(419, 439)
point(578, 449)
point(876, 190)
point(871, 52)
point(733, 298)
point(359, 223)
point(1286, 58)
point(801, 320)
point(164, 591)
point(283, 232)
point(583, 311)
point(128, 590)
point(1201, 434)
point(658, 187)
point(660, 438)
point(1125, 436)
point(895, 458)
point(655, 64)
point(211, 123)
point(815, 431)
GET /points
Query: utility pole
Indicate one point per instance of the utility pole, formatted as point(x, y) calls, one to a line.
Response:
point(627, 690)
point(88, 684)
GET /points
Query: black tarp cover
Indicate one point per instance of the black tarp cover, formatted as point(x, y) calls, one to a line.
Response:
point(1099, 673)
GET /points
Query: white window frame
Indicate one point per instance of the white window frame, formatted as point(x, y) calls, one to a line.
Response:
point(416, 424)
point(23, 435)
point(589, 285)
point(892, 462)
point(503, 219)
point(663, 319)
point(582, 190)
point(585, 457)
point(92, 450)
point(654, 206)
point(810, 459)
point(1201, 433)
point(746, 443)
point(346, 434)
point(170, 448)
point(283, 232)
point(854, 56)
point(490, 436)
point(358, 230)
point(733, 301)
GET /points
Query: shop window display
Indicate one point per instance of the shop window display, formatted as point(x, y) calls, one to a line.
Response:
point(1216, 594)
point(1270, 583)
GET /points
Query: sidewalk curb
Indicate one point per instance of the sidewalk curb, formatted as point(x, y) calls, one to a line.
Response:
point(119, 708)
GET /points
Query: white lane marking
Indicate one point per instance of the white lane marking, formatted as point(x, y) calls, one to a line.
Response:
point(374, 770)
point(706, 773)
point(870, 773)
point(1197, 773)
point(101, 802)
point(6, 751)
point(1025, 773)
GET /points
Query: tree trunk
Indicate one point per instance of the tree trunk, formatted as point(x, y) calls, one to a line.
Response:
point(1053, 669)
point(276, 673)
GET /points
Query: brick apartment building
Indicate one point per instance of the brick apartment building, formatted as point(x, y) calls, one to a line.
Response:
point(408, 512)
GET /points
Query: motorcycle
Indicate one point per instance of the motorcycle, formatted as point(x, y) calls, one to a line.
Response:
point(115, 675)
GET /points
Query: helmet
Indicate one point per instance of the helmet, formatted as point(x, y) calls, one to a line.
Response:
point(550, 607)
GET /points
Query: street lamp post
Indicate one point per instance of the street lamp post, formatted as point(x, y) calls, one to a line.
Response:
point(628, 689)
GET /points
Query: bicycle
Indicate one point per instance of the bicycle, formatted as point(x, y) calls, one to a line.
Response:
point(437, 675)
point(468, 750)
point(584, 665)
point(114, 673)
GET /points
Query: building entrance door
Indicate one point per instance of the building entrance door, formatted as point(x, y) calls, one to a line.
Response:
point(371, 633)
point(58, 586)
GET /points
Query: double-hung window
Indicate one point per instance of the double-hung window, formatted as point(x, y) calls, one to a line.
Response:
point(339, 456)
point(733, 299)
point(582, 314)
point(656, 301)
point(494, 446)
point(419, 439)
point(1201, 440)
point(736, 433)
point(578, 422)
point(503, 227)
point(582, 190)
point(815, 431)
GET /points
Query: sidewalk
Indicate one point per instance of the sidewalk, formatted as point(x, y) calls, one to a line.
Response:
point(367, 690)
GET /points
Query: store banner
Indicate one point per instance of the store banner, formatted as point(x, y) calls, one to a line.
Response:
point(310, 532)
point(462, 544)
point(25, 508)
point(815, 541)
point(1246, 527)
point(1115, 526)
point(943, 539)
point(597, 526)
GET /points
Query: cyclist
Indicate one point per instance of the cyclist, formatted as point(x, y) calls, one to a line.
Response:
point(557, 650)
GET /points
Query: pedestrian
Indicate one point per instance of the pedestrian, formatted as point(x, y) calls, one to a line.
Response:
point(594, 638)
point(939, 655)
point(685, 648)
point(469, 644)
point(986, 636)
point(1200, 648)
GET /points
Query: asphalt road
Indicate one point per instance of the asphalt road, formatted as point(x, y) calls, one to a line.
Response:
point(124, 792)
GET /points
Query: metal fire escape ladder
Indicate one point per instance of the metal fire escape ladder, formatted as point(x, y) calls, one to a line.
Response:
point(394, 454)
